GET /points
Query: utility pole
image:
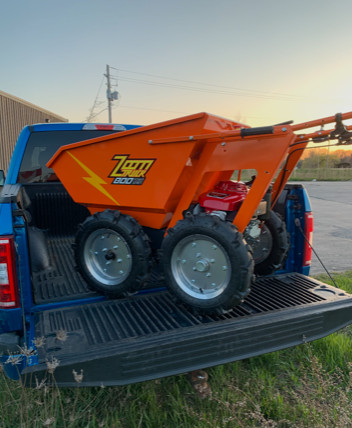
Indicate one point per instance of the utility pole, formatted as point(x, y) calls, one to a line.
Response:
point(111, 96)
point(108, 92)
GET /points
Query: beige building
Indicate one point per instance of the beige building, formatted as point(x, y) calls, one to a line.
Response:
point(14, 115)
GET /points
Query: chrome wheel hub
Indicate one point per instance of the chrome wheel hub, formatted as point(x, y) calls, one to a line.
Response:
point(201, 266)
point(107, 256)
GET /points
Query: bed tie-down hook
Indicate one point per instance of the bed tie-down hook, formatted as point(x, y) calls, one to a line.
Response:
point(340, 132)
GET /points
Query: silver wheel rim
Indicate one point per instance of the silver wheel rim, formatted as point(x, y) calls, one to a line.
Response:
point(107, 256)
point(262, 246)
point(201, 266)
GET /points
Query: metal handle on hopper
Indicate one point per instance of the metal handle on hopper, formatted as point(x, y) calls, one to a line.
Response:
point(248, 132)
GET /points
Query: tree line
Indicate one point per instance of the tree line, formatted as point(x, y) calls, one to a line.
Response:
point(324, 158)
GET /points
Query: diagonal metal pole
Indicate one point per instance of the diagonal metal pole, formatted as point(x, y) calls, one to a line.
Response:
point(108, 92)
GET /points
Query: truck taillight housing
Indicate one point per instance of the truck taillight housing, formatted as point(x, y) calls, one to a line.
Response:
point(8, 278)
point(308, 232)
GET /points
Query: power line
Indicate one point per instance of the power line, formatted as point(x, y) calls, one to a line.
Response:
point(209, 91)
point(97, 114)
point(91, 112)
point(210, 88)
point(236, 90)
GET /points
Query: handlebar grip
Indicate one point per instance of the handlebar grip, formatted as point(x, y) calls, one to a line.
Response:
point(247, 132)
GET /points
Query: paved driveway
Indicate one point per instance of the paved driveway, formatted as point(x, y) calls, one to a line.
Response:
point(332, 209)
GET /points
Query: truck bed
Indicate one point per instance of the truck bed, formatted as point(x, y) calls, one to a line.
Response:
point(112, 340)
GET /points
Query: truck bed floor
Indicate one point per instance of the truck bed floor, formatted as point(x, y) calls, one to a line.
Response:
point(61, 282)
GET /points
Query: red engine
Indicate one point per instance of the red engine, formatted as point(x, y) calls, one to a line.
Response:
point(226, 196)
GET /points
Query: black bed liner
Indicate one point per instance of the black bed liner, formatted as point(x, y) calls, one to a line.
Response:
point(61, 282)
point(148, 336)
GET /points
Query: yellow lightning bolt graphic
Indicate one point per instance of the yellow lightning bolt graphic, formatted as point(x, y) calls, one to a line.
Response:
point(94, 179)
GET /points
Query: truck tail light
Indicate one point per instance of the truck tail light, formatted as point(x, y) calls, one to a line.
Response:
point(8, 278)
point(308, 233)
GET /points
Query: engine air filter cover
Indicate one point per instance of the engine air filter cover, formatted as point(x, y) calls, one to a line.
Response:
point(226, 196)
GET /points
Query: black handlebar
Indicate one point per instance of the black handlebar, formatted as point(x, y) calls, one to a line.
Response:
point(247, 132)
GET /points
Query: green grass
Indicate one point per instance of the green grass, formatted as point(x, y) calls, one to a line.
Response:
point(307, 174)
point(322, 174)
point(305, 386)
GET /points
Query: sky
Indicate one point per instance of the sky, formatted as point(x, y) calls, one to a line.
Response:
point(260, 62)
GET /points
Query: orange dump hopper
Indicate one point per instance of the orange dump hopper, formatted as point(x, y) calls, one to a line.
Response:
point(153, 173)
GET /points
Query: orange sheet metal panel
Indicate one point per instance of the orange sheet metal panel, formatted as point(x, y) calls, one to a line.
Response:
point(127, 172)
point(264, 153)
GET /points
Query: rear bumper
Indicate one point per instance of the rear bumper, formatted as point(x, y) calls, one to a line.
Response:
point(9, 343)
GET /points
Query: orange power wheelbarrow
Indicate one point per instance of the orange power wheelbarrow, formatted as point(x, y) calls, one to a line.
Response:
point(171, 193)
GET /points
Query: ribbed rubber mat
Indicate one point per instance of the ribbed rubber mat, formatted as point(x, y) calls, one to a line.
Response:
point(61, 282)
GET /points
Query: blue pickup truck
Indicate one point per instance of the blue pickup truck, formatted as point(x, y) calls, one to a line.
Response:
point(48, 312)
